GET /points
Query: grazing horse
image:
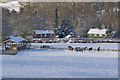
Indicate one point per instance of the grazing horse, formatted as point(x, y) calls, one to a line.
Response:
point(98, 49)
point(78, 49)
point(84, 48)
point(90, 49)
point(46, 47)
point(70, 48)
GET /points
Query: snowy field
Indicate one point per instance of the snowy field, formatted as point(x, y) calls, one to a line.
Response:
point(37, 63)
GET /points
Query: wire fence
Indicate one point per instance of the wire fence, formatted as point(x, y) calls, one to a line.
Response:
point(51, 47)
point(74, 40)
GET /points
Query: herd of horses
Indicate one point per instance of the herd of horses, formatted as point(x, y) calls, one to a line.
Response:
point(81, 49)
point(78, 49)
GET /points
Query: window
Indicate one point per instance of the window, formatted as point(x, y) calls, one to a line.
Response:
point(40, 35)
point(92, 34)
point(51, 35)
point(103, 34)
point(97, 34)
point(45, 35)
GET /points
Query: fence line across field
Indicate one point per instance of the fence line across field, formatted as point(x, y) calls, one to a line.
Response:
point(9, 52)
point(39, 47)
point(51, 47)
point(74, 40)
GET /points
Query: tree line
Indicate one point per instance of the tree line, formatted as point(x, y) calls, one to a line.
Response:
point(63, 17)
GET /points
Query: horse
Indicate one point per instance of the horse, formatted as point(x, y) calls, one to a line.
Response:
point(78, 49)
point(46, 47)
point(90, 49)
point(98, 49)
point(84, 48)
point(70, 48)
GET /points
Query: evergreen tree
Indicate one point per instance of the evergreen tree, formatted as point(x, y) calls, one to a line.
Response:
point(65, 29)
point(56, 19)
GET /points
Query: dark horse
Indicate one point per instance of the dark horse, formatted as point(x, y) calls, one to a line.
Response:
point(98, 49)
point(90, 49)
point(46, 47)
point(70, 48)
point(78, 49)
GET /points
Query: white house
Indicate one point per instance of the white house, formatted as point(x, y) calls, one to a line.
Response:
point(97, 33)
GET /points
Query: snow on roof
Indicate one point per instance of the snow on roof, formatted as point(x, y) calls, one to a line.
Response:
point(97, 31)
point(68, 36)
point(17, 39)
point(57, 36)
point(43, 31)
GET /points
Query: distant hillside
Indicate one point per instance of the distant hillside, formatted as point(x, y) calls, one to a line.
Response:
point(13, 5)
point(49, 15)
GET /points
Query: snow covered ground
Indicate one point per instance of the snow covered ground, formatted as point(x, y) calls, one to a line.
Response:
point(37, 63)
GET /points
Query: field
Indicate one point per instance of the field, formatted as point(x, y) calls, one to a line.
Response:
point(39, 63)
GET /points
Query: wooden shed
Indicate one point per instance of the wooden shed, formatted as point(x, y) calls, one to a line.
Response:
point(14, 43)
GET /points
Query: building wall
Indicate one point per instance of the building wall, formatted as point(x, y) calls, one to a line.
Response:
point(97, 36)
point(43, 35)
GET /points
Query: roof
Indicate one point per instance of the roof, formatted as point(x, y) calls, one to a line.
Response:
point(17, 39)
point(68, 36)
point(43, 31)
point(97, 31)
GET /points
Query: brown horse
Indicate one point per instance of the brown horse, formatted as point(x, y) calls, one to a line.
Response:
point(46, 47)
point(84, 48)
point(80, 49)
point(70, 48)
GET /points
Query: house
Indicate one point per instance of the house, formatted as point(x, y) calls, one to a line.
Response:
point(14, 43)
point(97, 33)
point(43, 34)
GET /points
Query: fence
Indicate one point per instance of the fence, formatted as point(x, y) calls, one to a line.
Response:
point(74, 40)
point(13, 52)
point(8, 52)
point(39, 47)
